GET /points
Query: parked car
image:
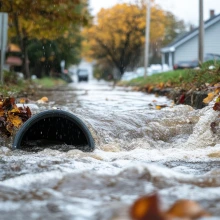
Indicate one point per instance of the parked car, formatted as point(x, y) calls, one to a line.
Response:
point(194, 63)
point(83, 75)
point(186, 64)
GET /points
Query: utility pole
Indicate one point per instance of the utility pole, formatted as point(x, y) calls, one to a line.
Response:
point(3, 42)
point(201, 33)
point(147, 37)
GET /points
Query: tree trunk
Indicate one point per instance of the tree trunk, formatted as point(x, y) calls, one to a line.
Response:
point(22, 39)
point(25, 63)
point(38, 69)
point(121, 70)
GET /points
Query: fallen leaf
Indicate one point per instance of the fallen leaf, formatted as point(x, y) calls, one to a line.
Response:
point(213, 127)
point(218, 99)
point(14, 110)
point(216, 107)
point(146, 208)
point(45, 99)
point(209, 98)
point(149, 89)
point(187, 209)
point(182, 99)
point(158, 107)
point(23, 100)
point(42, 100)
point(9, 127)
point(12, 117)
point(2, 113)
point(8, 103)
point(14, 120)
point(161, 85)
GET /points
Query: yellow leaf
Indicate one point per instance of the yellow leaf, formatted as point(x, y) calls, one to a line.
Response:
point(22, 100)
point(42, 100)
point(161, 85)
point(2, 113)
point(217, 91)
point(158, 107)
point(218, 99)
point(15, 120)
point(14, 110)
point(209, 98)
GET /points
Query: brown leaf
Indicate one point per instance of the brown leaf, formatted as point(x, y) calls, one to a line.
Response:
point(161, 85)
point(146, 208)
point(11, 116)
point(8, 103)
point(186, 209)
point(216, 107)
point(2, 122)
point(2, 113)
point(150, 88)
point(25, 113)
point(9, 127)
point(28, 112)
point(213, 127)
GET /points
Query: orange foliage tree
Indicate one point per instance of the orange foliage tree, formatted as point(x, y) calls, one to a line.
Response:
point(118, 35)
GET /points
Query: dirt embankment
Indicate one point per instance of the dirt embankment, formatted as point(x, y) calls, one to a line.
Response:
point(179, 96)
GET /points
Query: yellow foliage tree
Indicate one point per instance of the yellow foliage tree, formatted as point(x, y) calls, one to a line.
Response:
point(42, 19)
point(118, 35)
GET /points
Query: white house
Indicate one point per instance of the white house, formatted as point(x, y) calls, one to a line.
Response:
point(186, 47)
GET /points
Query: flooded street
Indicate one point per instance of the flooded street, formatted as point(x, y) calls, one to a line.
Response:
point(139, 150)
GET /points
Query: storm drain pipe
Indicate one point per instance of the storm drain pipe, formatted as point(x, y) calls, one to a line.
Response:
point(55, 126)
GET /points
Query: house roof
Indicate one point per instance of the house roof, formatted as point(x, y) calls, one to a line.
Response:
point(14, 61)
point(184, 38)
point(14, 48)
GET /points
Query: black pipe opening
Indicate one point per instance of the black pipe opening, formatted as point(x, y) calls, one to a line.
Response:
point(54, 129)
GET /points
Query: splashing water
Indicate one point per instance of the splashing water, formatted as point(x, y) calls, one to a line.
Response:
point(139, 150)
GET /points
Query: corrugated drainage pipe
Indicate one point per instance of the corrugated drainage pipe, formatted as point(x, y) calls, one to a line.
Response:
point(55, 126)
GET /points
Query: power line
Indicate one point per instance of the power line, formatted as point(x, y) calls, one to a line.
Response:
point(147, 37)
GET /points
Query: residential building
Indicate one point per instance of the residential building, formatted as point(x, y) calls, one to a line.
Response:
point(185, 47)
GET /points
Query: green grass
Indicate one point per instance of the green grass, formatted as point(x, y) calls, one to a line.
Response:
point(13, 86)
point(171, 76)
point(49, 82)
point(184, 79)
point(11, 90)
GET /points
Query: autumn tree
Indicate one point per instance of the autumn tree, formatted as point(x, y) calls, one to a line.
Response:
point(118, 34)
point(42, 19)
point(45, 55)
point(174, 27)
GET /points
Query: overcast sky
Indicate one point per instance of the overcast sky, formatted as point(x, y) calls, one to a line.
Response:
point(183, 9)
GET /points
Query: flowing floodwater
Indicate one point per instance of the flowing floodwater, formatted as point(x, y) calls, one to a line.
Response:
point(139, 150)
